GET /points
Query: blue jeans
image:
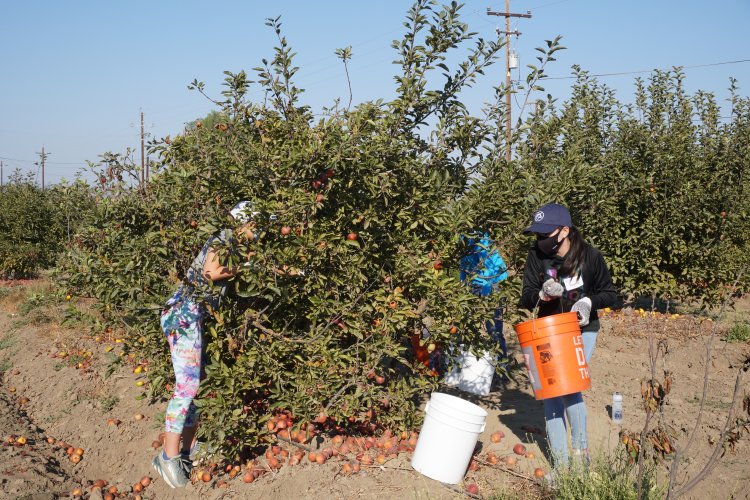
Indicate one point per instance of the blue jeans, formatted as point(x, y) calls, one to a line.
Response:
point(495, 330)
point(568, 409)
point(493, 325)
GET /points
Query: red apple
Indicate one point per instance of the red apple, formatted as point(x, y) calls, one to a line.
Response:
point(497, 436)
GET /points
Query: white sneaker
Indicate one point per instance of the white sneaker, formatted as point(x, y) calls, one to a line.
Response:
point(171, 470)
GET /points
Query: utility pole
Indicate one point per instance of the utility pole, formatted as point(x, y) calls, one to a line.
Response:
point(2, 179)
point(143, 162)
point(43, 157)
point(508, 122)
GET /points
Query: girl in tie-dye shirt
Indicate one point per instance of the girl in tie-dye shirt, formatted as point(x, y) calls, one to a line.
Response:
point(182, 322)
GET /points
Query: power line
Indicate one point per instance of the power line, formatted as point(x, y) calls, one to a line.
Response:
point(550, 4)
point(306, 73)
point(625, 73)
point(47, 163)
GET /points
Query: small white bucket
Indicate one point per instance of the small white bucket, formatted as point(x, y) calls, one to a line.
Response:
point(472, 374)
point(447, 439)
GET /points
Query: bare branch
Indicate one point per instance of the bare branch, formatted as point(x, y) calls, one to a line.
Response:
point(681, 452)
point(711, 463)
point(653, 354)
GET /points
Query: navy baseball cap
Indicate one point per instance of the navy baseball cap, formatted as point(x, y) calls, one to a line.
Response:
point(548, 218)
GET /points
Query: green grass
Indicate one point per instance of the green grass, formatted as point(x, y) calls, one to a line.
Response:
point(73, 317)
point(114, 363)
point(51, 419)
point(34, 317)
point(7, 341)
point(159, 420)
point(505, 495)
point(711, 403)
point(607, 478)
point(74, 359)
point(36, 308)
point(508, 495)
point(34, 301)
point(738, 332)
point(108, 403)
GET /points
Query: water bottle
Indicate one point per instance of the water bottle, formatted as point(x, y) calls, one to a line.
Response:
point(617, 408)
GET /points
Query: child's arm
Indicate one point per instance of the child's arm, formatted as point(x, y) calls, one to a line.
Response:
point(215, 271)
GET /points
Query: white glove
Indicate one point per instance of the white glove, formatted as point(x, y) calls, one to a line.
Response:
point(583, 308)
point(551, 289)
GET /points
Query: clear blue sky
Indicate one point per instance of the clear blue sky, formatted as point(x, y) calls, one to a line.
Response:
point(75, 74)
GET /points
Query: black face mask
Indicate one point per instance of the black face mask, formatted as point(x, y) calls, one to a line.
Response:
point(548, 245)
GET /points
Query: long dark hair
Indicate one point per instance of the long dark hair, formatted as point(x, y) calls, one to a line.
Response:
point(575, 259)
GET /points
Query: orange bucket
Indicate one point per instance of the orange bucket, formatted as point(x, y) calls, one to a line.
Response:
point(552, 347)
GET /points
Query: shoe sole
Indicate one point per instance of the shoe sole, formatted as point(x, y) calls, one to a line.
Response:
point(157, 467)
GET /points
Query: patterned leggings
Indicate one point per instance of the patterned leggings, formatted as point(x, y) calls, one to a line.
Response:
point(182, 322)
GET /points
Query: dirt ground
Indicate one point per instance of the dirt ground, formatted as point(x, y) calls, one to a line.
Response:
point(46, 397)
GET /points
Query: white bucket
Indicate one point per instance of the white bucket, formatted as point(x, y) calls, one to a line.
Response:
point(447, 439)
point(453, 377)
point(445, 403)
point(472, 374)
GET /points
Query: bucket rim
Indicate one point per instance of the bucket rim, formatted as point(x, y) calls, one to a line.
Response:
point(547, 326)
point(544, 321)
point(453, 413)
point(450, 420)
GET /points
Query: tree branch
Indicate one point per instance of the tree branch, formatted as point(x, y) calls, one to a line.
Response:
point(711, 463)
point(707, 369)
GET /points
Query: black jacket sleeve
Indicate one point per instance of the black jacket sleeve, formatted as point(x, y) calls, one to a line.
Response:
point(603, 293)
point(532, 280)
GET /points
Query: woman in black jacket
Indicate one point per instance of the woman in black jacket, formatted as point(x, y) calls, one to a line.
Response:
point(563, 273)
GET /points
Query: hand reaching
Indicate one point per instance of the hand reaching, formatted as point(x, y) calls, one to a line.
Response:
point(551, 289)
point(583, 308)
